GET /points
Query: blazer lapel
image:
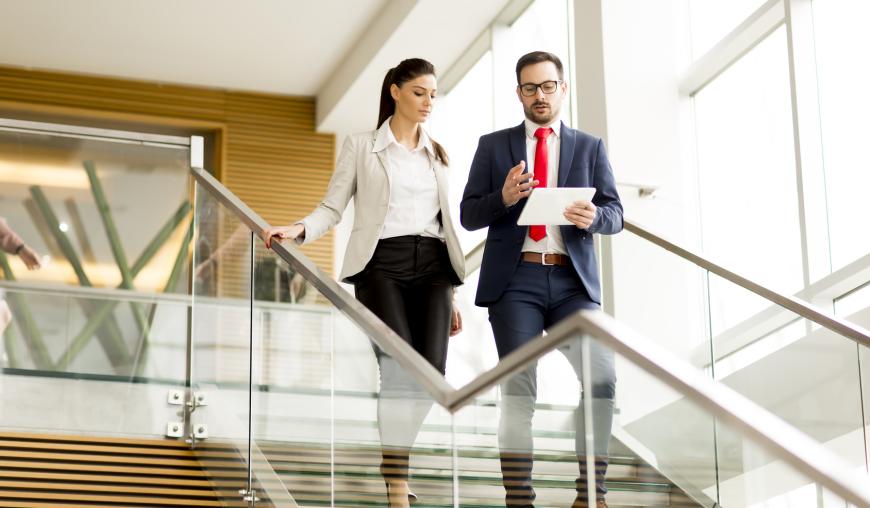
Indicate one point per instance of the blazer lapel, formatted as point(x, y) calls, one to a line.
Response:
point(518, 145)
point(566, 153)
point(382, 157)
point(443, 201)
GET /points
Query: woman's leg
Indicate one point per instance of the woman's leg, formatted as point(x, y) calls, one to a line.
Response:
point(384, 297)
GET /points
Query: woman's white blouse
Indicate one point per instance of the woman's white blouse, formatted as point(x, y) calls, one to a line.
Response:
point(413, 208)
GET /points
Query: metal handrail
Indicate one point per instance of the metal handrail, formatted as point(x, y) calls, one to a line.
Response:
point(808, 311)
point(803, 309)
point(783, 441)
point(380, 333)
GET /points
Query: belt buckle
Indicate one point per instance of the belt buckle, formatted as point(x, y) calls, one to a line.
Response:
point(544, 260)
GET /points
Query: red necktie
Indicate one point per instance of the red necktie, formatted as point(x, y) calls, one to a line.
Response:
point(536, 233)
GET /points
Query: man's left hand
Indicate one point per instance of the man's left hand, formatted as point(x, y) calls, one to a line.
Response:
point(581, 213)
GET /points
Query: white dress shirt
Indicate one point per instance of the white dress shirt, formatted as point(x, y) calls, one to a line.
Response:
point(413, 208)
point(552, 243)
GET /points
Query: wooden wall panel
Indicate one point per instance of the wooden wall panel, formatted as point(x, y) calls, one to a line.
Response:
point(270, 156)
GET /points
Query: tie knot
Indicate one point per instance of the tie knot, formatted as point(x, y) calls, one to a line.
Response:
point(543, 132)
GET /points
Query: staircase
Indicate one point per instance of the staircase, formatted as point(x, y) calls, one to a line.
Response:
point(305, 471)
point(44, 470)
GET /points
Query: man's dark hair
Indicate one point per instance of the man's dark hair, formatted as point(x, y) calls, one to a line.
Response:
point(538, 57)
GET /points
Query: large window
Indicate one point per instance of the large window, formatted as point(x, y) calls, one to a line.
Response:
point(842, 42)
point(542, 27)
point(748, 189)
point(713, 19)
point(459, 119)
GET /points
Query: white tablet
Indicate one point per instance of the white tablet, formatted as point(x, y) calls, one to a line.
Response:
point(546, 205)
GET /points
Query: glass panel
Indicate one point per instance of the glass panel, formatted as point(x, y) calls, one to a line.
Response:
point(711, 20)
point(472, 351)
point(318, 390)
point(85, 349)
point(292, 382)
point(752, 477)
point(81, 364)
point(521, 439)
point(746, 474)
point(387, 428)
point(669, 306)
point(58, 191)
point(747, 175)
point(844, 105)
point(221, 342)
point(864, 358)
point(806, 375)
point(854, 305)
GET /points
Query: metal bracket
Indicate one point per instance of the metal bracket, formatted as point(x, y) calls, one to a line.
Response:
point(200, 399)
point(176, 397)
point(249, 496)
point(174, 429)
point(190, 401)
point(200, 431)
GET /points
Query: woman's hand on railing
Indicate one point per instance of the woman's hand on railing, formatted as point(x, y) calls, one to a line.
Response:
point(291, 232)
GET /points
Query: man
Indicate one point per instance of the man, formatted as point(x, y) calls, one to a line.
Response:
point(532, 277)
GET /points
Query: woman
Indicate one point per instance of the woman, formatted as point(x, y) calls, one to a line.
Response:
point(403, 256)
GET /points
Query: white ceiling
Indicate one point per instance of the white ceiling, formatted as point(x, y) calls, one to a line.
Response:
point(336, 50)
point(278, 46)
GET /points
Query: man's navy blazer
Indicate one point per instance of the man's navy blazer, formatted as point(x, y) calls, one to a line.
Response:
point(582, 163)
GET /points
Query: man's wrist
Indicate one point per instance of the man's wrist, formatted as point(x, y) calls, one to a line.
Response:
point(19, 248)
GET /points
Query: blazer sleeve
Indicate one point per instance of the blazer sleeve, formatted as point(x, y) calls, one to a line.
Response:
point(608, 217)
point(342, 187)
point(481, 204)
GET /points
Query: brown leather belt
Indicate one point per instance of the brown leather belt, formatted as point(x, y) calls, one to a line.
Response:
point(546, 259)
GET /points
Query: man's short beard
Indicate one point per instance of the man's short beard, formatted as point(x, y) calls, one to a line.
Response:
point(531, 115)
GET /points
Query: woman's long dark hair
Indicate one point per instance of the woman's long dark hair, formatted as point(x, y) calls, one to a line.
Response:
point(399, 75)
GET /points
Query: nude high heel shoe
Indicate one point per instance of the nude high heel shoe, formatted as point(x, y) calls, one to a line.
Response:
point(400, 485)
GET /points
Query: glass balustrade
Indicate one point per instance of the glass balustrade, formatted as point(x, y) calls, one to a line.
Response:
point(808, 375)
point(291, 393)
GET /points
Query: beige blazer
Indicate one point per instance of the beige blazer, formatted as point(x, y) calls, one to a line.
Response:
point(363, 174)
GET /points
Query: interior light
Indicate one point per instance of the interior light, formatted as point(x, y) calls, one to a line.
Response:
point(44, 174)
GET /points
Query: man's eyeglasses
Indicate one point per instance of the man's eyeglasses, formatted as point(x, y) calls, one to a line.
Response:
point(530, 89)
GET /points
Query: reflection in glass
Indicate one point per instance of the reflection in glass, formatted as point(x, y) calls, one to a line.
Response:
point(60, 190)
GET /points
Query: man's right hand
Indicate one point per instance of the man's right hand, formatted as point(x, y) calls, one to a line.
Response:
point(517, 185)
point(283, 232)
